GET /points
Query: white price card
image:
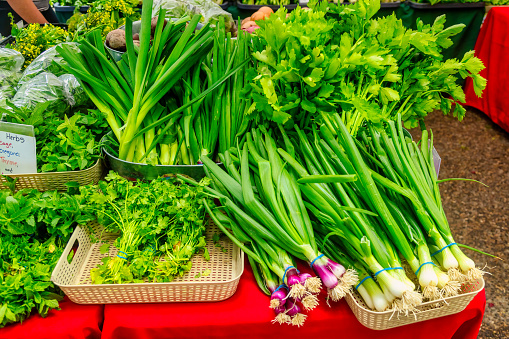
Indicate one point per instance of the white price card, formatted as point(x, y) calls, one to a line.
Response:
point(17, 149)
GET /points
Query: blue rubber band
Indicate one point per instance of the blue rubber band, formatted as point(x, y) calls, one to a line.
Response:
point(388, 269)
point(284, 275)
point(453, 243)
point(313, 262)
point(281, 286)
point(121, 257)
point(363, 280)
point(122, 252)
point(426, 263)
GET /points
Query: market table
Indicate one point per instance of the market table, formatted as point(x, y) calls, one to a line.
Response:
point(492, 47)
point(246, 315)
point(73, 321)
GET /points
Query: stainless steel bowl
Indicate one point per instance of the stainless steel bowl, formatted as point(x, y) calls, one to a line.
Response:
point(133, 171)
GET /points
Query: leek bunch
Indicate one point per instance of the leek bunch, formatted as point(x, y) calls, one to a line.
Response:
point(129, 93)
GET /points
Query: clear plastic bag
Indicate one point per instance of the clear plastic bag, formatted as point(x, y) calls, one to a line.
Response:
point(210, 11)
point(41, 88)
point(10, 72)
point(49, 61)
point(74, 94)
point(10, 60)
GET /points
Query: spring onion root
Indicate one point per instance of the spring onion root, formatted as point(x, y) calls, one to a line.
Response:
point(455, 274)
point(474, 274)
point(281, 316)
point(309, 302)
point(313, 284)
point(349, 279)
point(298, 319)
point(431, 292)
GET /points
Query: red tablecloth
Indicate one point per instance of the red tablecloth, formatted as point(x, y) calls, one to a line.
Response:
point(246, 315)
point(492, 47)
point(73, 321)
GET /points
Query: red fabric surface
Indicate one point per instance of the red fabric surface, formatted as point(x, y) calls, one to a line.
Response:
point(73, 321)
point(492, 47)
point(247, 315)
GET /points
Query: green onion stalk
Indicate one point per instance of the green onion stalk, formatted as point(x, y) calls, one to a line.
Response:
point(213, 124)
point(128, 92)
point(400, 229)
point(283, 196)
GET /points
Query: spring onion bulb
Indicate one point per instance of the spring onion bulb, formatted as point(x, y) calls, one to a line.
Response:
point(278, 297)
point(295, 312)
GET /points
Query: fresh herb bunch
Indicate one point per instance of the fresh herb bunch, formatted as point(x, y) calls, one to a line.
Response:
point(426, 82)
point(294, 64)
point(35, 39)
point(62, 143)
point(35, 227)
point(335, 58)
point(163, 218)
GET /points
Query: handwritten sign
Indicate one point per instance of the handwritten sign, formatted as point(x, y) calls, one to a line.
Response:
point(17, 149)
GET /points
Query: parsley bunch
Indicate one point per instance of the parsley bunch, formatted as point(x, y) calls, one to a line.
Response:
point(159, 219)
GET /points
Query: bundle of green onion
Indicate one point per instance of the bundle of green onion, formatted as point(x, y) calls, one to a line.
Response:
point(393, 209)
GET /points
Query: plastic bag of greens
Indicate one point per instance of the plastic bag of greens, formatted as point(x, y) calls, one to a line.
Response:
point(74, 94)
point(209, 10)
point(41, 88)
point(10, 72)
point(49, 61)
point(10, 60)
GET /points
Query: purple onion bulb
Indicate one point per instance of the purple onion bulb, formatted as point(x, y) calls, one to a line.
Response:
point(303, 277)
point(280, 309)
point(292, 277)
point(328, 278)
point(278, 298)
point(292, 308)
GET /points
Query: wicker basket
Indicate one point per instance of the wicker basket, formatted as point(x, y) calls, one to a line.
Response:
point(74, 278)
point(56, 180)
point(428, 310)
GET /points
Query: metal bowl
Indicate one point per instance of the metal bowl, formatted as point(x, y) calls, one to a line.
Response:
point(133, 171)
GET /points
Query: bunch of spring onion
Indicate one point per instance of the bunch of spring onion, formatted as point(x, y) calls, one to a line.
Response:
point(261, 197)
point(129, 92)
point(405, 172)
point(341, 202)
point(397, 181)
